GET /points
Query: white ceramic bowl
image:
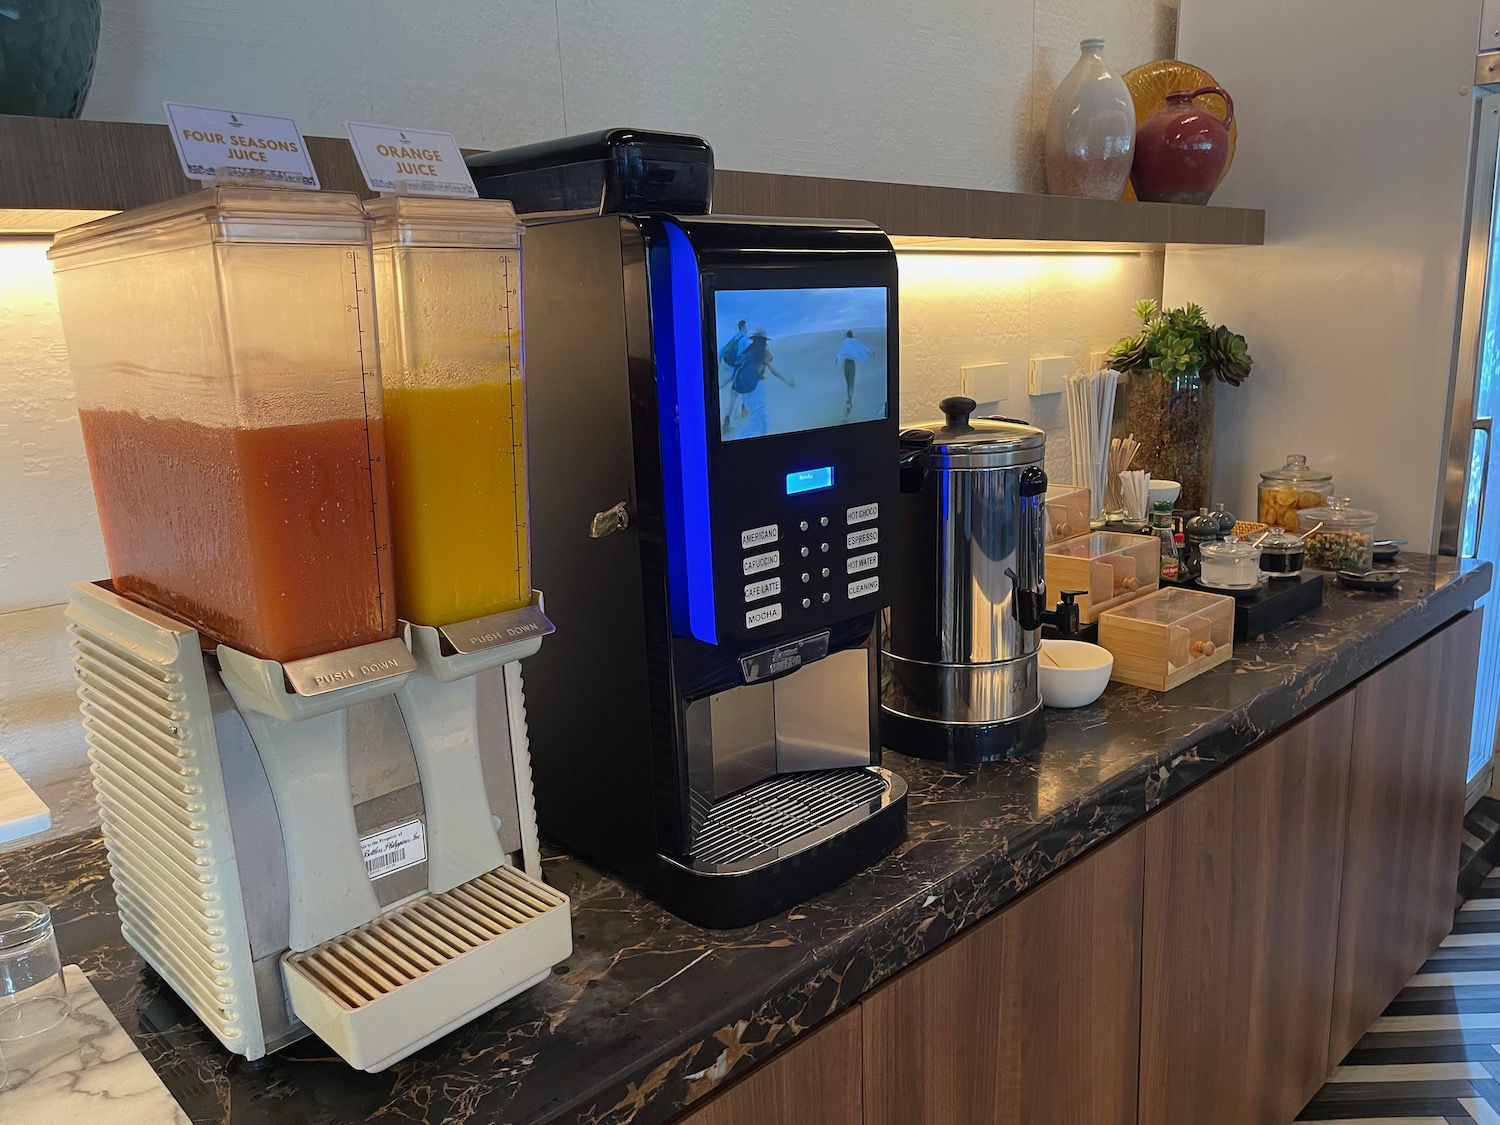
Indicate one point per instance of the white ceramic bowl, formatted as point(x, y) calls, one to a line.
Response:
point(1079, 676)
point(1160, 490)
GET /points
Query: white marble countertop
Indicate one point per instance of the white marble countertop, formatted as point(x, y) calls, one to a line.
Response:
point(22, 812)
point(86, 1069)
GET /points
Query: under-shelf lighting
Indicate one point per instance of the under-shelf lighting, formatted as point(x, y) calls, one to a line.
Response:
point(32, 222)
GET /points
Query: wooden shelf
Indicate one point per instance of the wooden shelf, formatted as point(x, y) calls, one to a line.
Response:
point(59, 165)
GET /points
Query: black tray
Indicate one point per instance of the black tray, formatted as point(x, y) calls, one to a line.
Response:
point(1277, 603)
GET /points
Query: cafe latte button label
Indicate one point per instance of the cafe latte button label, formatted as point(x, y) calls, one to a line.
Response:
point(251, 146)
point(421, 161)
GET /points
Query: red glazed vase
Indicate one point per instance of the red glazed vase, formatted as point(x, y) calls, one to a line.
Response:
point(1181, 150)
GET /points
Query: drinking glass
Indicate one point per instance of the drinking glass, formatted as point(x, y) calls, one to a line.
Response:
point(33, 997)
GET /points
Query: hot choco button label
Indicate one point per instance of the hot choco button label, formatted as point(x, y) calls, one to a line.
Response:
point(862, 514)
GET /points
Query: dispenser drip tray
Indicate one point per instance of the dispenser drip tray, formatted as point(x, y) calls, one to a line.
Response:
point(787, 814)
point(380, 992)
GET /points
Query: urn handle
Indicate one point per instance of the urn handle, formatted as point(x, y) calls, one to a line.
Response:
point(1192, 95)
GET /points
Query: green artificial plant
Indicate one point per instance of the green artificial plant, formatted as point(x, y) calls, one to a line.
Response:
point(1176, 342)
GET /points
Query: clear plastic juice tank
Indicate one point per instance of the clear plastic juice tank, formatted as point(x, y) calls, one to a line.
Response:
point(447, 282)
point(222, 347)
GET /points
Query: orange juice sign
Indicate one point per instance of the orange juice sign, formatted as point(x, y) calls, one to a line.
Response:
point(420, 161)
point(241, 145)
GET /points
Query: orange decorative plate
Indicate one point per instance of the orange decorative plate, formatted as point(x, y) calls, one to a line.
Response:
point(1150, 84)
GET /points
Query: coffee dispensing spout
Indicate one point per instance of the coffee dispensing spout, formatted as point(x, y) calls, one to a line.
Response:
point(1063, 617)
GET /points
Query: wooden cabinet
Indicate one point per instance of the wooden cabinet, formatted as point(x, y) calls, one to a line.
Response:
point(1239, 932)
point(1406, 801)
point(1211, 964)
point(1030, 1017)
point(815, 1081)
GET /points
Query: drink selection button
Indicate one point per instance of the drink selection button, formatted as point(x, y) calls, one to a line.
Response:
point(754, 564)
point(868, 561)
point(759, 536)
point(865, 537)
point(862, 514)
point(862, 586)
point(765, 588)
point(762, 615)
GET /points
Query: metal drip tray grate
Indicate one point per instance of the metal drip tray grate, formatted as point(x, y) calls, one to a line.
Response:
point(776, 812)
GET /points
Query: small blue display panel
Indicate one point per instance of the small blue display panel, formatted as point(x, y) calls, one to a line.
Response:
point(809, 480)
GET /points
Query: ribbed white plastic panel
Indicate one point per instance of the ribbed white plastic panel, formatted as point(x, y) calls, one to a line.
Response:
point(148, 721)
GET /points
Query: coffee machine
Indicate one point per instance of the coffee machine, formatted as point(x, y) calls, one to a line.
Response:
point(319, 816)
point(714, 425)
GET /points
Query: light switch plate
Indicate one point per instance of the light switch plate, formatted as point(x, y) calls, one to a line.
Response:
point(1098, 361)
point(986, 382)
point(1047, 374)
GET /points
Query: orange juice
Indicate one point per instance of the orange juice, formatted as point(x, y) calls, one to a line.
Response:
point(458, 500)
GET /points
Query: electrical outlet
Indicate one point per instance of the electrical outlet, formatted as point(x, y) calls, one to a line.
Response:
point(1047, 374)
point(1098, 360)
point(986, 382)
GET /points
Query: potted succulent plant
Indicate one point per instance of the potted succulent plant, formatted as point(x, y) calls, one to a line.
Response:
point(1173, 363)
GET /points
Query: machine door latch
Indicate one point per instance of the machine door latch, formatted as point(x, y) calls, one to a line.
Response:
point(609, 521)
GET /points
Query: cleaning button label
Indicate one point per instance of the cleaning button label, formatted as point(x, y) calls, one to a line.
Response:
point(864, 586)
point(757, 563)
point(762, 616)
point(858, 563)
point(759, 536)
point(864, 538)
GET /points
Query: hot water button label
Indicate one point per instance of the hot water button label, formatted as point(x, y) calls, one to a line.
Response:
point(420, 160)
point(249, 146)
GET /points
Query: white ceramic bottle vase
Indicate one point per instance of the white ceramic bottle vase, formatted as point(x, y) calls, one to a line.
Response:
point(1090, 129)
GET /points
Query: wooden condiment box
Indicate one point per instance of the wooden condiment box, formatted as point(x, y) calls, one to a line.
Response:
point(1067, 512)
point(1109, 567)
point(1166, 638)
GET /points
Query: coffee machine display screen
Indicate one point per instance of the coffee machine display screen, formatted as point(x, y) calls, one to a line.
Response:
point(799, 359)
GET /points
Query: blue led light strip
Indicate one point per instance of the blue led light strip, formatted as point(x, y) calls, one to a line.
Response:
point(677, 336)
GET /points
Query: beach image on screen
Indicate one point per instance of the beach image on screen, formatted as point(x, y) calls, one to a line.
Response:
point(799, 359)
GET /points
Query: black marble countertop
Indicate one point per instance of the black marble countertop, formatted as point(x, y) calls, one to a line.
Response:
point(650, 1013)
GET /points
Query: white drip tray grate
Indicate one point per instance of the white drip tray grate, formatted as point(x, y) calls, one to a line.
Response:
point(388, 988)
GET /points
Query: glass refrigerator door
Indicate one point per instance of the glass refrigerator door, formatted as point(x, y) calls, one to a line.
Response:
point(1471, 526)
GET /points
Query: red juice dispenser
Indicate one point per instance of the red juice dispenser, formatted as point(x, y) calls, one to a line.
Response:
point(222, 346)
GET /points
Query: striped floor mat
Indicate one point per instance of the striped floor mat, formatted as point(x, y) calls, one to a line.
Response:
point(1433, 1058)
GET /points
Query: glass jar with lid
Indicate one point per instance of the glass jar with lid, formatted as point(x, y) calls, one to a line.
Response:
point(1343, 537)
point(1285, 491)
point(1232, 564)
point(1281, 553)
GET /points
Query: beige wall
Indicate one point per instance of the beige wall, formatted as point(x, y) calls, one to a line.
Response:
point(942, 94)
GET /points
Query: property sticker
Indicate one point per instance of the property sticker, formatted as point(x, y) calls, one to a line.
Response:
point(394, 849)
point(249, 145)
point(424, 162)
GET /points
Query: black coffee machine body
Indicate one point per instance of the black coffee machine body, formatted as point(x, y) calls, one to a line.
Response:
point(713, 458)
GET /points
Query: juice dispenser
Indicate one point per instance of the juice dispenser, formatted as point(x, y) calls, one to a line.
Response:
point(313, 824)
point(230, 407)
point(447, 282)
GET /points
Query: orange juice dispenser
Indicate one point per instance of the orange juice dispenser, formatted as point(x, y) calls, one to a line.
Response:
point(447, 282)
point(306, 831)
